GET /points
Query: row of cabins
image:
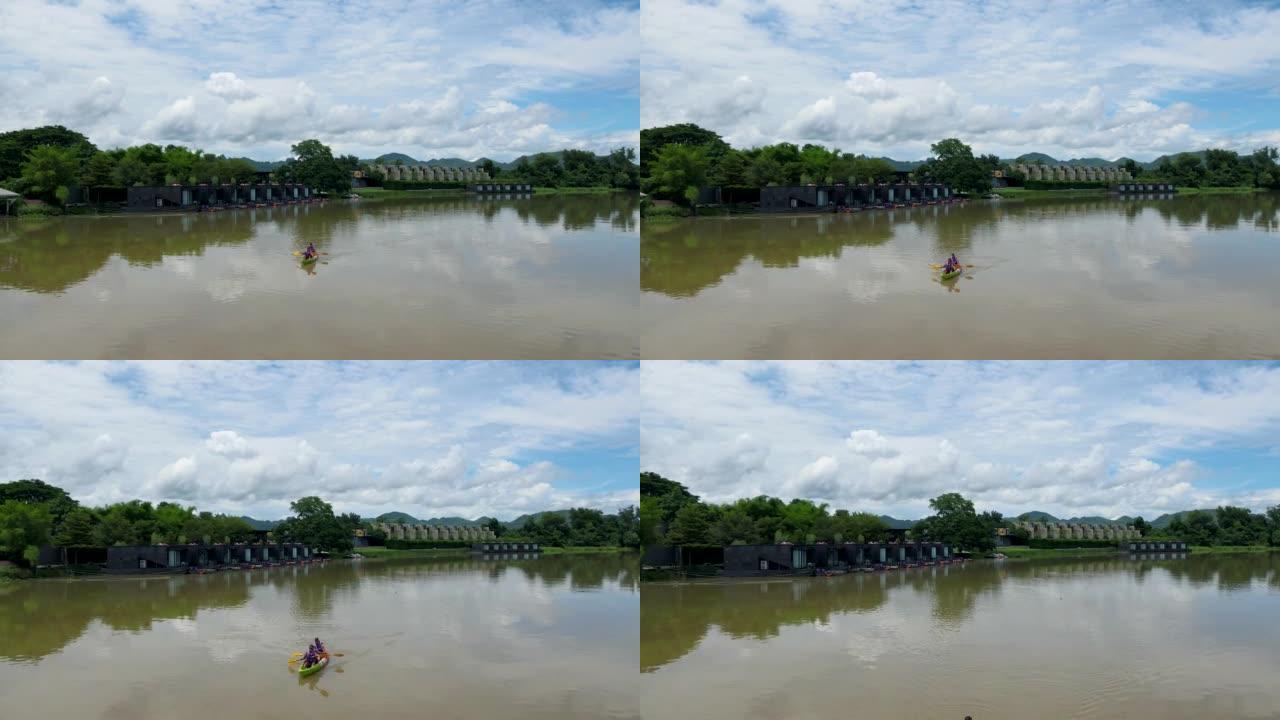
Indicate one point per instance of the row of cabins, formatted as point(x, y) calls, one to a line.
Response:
point(418, 531)
point(195, 557)
point(1144, 188)
point(504, 188)
point(840, 197)
point(1144, 547)
point(1064, 173)
point(822, 558)
point(426, 173)
point(1078, 531)
point(509, 550)
point(212, 197)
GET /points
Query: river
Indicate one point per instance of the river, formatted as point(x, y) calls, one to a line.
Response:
point(541, 277)
point(1107, 638)
point(554, 637)
point(1188, 277)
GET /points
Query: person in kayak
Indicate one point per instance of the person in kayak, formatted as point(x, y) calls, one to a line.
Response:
point(311, 658)
point(310, 252)
point(319, 646)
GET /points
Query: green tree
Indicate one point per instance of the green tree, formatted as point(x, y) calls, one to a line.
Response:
point(953, 163)
point(15, 145)
point(954, 521)
point(49, 171)
point(78, 529)
point(23, 529)
point(733, 526)
point(37, 492)
point(692, 526)
point(678, 169)
point(314, 523)
point(651, 523)
point(313, 164)
point(654, 140)
point(1141, 526)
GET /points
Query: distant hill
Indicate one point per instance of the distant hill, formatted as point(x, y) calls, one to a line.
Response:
point(520, 521)
point(396, 517)
point(896, 524)
point(1037, 516)
point(1164, 520)
point(260, 524)
point(261, 165)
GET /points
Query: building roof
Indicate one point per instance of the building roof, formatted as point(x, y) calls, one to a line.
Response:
point(7, 194)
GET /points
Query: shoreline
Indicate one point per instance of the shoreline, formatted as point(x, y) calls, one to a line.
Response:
point(375, 193)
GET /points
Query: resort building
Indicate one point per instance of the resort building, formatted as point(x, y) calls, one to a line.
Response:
point(494, 188)
point(788, 559)
point(832, 198)
point(151, 198)
point(1146, 547)
point(418, 531)
point(196, 557)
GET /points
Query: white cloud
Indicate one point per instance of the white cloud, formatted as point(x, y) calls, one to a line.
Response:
point(1070, 78)
point(421, 78)
point(431, 439)
point(1067, 438)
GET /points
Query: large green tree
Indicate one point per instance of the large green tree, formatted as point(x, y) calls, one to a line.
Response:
point(49, 172)
point(953, 163)
point(23, 529)
point(679, 171)
point(314, 524)
point(956, 522)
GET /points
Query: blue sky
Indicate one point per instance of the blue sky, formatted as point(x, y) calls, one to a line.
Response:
point(1069, 438)
point(494, 78)
point(427, 438)
point(1074, 78)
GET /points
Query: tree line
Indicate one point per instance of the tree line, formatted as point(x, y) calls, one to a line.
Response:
point(45, 162)
point(1226, 525)
point(579, 527)
point(34, 513)
point(676, 160)
point(671, 515)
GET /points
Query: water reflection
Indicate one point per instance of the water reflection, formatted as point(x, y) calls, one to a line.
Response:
point(39, 618)
point(459, 278)
point(677, 618)
point(1186, 277)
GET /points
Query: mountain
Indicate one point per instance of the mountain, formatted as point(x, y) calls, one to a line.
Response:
point(260, 524)
point(1035, 157)
point(391, 158)
point(520, 521)
point(396, 517)
point(1198, 153)
point(262, 165)
point(1164, 520)
point(1037, 516)
point(453, 521)
point(896, 524)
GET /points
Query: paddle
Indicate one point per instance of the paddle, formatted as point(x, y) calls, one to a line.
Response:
point(298, 253)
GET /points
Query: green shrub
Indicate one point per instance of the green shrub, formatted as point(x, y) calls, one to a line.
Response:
point(36, 210)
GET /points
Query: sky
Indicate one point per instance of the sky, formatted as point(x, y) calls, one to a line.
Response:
point(432, 439)
point(1073, 78)
point(430, 78)
point(1068, 438)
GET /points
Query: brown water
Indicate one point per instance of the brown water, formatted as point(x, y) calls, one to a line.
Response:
point(1185, 277)
point(541, 277)
point(1111, 638)
point(554, 637)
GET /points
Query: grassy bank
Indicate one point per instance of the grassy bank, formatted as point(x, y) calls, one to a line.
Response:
point(586, 550)
point(1019, 552)
point(1017, 193)
point(1220, 190)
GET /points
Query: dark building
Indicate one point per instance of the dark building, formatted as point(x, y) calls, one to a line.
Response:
point(1143, 188)
point(505, 547)
point(1139, 547)
point(147, 559)
point(162, 197)
point(490, 188)
point(783, 559)
point(832, 198)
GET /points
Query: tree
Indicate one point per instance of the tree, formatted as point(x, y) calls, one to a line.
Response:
point(677, 169)
point(954, 521)
point(733, 526)
point(628, 527)
point(23, 529)
point(650, 521)
point(77, 529)
point(313, 164)
point(49, 171)
point(953, 164)
point(1131, 167)
point(37, 492)
point(692, 526)
point(1141, 526)
point(489, 167)
point(314, 523)
point(15, 145)
point(496, 527)
point(861, 526)
point(654, 140)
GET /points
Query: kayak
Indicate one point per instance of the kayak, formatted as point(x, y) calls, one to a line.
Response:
point(953, 273)
point(305, 671)
point(309, 260)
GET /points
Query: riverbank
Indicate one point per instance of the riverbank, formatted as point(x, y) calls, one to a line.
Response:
point(1018, 193)
point(1019, 552)
point(389, 553)
point(377, 193)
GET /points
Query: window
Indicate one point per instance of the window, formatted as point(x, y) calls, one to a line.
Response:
point(798, 558)
point(764, 564)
